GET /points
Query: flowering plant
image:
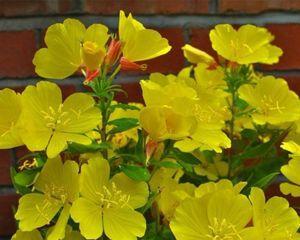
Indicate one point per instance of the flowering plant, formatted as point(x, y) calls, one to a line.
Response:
point(190, 164)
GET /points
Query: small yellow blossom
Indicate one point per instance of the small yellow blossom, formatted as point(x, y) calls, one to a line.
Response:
point(249, 44)
point(71, 46)
point(274, 219)
point(222, 215)
point(165, 181)
point(273, 101)
point(49, 124)
point(58, 187)
point(10, 111)
point(107, 205)
point(139, 43)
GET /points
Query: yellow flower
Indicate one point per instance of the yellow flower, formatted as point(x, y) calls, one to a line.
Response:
point(48, 124)
point(139, 43)
point(165, 181)
point(107, 205)
point(32, 235)
point(58, 187)
point(69, 47)
point(274, 219)
point(210, 79)
point(10, 111)
point(164, 123)
point(273, 101)
point(180, 108)
point(195, 55)
point(213, 168)
point(222, 215)
point(249, 44)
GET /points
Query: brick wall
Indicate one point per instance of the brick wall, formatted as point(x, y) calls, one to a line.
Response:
point(23, 22)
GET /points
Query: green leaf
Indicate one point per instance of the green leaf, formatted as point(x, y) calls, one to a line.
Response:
point(19, 188)
point(256, 151)
point(136, 173)
point(26, 178)
point(241, 104)
point(167, 164)
point(76, 148)
point(265, 181)
point(185, 157)
point(123, 124)
point(140, 151)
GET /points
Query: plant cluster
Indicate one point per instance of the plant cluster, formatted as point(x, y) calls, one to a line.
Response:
point(191, 163)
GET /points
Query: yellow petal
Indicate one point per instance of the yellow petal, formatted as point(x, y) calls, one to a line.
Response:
point(59, 175)
point(36, 210)
point(147, 44)
point(58, 232)
point(82, 115)
point(32, 235)
point(62, 57)
point(98, 34)
point(10, 111)
point(123, 223)
point(190, 221)
point(195, 55)
point(91, 182)
point(89, 216)
point(138, 191)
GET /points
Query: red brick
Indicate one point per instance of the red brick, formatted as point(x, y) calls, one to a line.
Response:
point(134, 93)
point(257, 6)
point(5, 163)
point(199, 38)
point(109, 7)
point(287, 37)
point(17, 51)
point(22, 7)
point(7, 222)
point(273, 190)
point(294, 83)
point(173, 61)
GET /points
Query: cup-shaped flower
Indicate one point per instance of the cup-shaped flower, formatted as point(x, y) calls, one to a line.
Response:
point(71, 46)
point(107, 205)
point(249, 44)
point(49, 124)
point(10, 111)
point(222, 215)
point(164, 123)
point(56, 188)
point(273, 101)
point(274, 219)
point(139, 43)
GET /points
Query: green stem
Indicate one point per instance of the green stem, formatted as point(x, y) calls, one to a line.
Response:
point(231, 130)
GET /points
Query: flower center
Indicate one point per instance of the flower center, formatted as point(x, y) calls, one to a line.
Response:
point(112, 197)
point(223, 230)
point(56, 192)
point(269, 104)
point(54, 118)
